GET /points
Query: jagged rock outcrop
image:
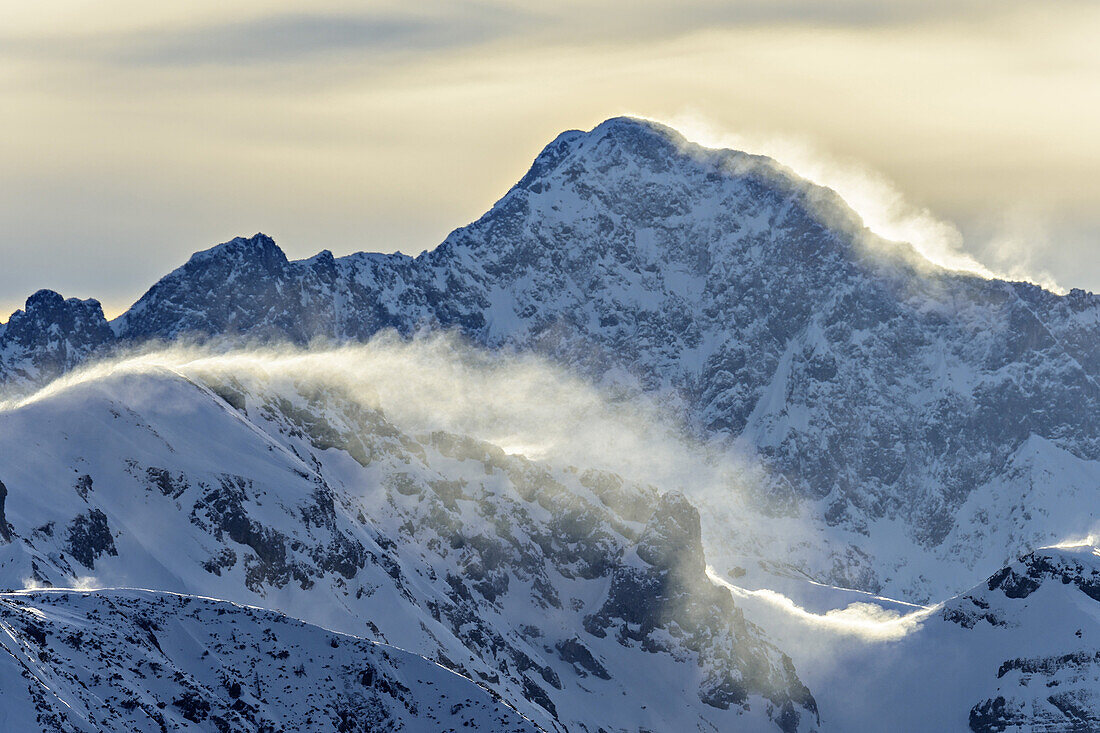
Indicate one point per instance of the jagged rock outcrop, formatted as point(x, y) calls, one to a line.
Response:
point(50, 336)
point(5, 533)
point(671, 597)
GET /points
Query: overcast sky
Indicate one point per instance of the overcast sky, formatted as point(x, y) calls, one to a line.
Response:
point(135, 133)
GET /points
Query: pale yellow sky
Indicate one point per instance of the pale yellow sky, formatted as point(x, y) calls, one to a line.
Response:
point(136, 133)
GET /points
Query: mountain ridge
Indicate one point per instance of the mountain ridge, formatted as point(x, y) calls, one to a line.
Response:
point(58, 643)
point(872, 386)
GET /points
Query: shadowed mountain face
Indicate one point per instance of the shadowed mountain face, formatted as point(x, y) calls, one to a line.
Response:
point(870, 384)
point(50, 336)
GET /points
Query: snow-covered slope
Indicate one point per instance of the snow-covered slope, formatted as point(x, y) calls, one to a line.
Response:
point(575, 597)
point(124, 660)
point(885, 397)
point(579, 598)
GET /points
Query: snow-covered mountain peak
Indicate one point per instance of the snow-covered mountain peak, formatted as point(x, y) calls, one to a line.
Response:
point(634, 136)
point(248, 266)
point(888, 399)
point(257, 248)
point(873, 423)
point(639, 174)
point(50, 335)
point(49, 308)
point(239, 259)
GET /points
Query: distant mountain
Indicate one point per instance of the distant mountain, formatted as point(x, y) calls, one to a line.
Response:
point(50, 336)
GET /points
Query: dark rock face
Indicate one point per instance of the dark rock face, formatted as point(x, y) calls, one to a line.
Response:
point(672, 539)
point(4, 531)
point(247, 287)
point(223, 508)
point(253, 269)
point(673, 594)
point(580, 656)
point(83, 485)
point(275, 559)
point(1020, 582)
point(990, 716)
point(89, 537)
point(1068, 710)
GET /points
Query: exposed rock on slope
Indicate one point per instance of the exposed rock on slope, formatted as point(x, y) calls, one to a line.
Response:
point(1019, 652)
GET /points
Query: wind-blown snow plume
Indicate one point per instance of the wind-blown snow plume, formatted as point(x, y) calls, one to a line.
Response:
point(865, 620)
point(884, 209)
point(519, 402)
point(1091, 540)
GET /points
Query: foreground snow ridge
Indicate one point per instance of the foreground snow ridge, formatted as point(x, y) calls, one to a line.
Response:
point(549, 584)
point(132, 660)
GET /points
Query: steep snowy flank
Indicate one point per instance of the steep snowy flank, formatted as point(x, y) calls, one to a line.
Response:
point(883, 395)
point(147, 661)
point(579, 598)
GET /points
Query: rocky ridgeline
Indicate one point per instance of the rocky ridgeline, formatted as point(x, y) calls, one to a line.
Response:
point(50, 336)
point(1048, 600)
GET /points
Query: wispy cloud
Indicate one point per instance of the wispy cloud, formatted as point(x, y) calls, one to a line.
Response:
point(291, 38)
point(519, 402)
point(274, 38)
